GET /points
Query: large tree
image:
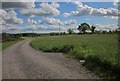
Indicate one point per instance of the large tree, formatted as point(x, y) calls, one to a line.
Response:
point(93, 29)
point(83, 27)
point(70, 31)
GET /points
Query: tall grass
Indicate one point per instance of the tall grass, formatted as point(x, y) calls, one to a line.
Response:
point(98, 51)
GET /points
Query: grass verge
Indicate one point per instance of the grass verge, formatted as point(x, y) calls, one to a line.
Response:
point(8, 43)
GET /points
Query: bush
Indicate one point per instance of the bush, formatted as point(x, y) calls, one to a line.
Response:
point(66, 48)
point(9, 37)
point(63, 49)
point(80, 53)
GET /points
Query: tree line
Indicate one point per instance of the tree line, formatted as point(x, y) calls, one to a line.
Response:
point(85, 28)
point(82, 28)
point(13, 37)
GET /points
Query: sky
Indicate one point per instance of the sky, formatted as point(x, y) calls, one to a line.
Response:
point(46, 17)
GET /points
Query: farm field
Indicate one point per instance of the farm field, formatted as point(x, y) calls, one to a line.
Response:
point(99, 50)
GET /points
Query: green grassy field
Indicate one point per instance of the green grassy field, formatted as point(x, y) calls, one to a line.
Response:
point(7, 44)
point(98, 51)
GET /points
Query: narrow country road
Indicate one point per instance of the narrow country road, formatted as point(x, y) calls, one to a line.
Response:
point(21, 61)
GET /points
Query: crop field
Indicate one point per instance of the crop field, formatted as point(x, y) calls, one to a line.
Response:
point(99, 50)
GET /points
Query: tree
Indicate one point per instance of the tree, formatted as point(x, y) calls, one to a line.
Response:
point(79, 29)
point(93, 29)
point(70, 31)
point(83, 27)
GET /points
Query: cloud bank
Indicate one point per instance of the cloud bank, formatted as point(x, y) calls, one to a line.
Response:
point(87, 10)
point(44, 10)
point(9, 17)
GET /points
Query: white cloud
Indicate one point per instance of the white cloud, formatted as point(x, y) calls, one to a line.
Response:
point(77, 3)
point(117, 3)
point(45, 10)
point(19, 4)
point(54, 5)
point(50, 9)
point(3, 13)
point(50, 27)
point(66, 14)
point(10, 28)
point(2, 22)
point(28, 12)
point(106, 27)
point(87, 10)
point(74, 13)
point(51, 21)
point(31, 21)
point(112, 17)
point(32, 27)
point(10, 17)
point(69, 22)
point(8, 20)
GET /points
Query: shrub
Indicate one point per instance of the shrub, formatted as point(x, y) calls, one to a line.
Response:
point(66, 48)
point(80, 53)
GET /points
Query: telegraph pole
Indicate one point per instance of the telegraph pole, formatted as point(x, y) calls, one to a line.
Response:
point(59, 28)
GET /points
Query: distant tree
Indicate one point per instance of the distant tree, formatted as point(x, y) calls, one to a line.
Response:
point(9, 37)
point(93, 29)
point(110, 31)
point(104, 32)
point(115, 31)
point(83, 27)
point(63, 33)
point(51, 34)
point(70, 31)
point(79, 29)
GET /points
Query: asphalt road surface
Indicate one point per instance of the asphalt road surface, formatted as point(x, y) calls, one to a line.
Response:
point(21, 61)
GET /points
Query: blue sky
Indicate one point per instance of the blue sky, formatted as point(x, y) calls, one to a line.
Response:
point(44, 20)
